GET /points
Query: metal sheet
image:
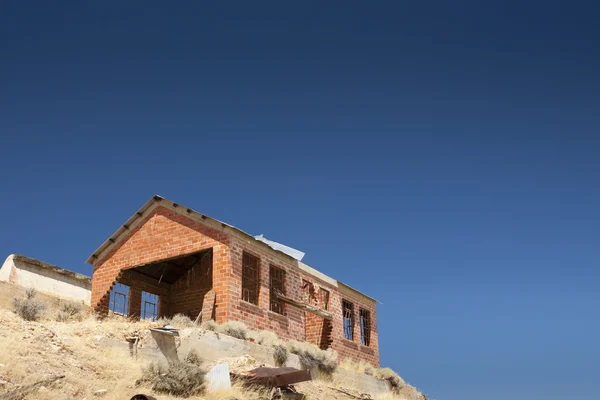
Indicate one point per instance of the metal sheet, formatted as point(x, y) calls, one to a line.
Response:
point(279, 376)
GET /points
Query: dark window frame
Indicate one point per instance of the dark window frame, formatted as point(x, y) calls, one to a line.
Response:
point(119, 299)
point(276, 283)
point(149, 306)
point(250, 278)
point(365, 326)
point(348, 319)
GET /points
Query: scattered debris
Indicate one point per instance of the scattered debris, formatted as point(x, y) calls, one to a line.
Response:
point(218, 378)
point(165, 339)
point(23, 391)
point(100, 392)
point(277, 377)
point(142, 397)
point(360, 396)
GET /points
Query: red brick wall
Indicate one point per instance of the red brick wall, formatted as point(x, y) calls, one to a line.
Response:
point(163, 234)
point(259, 317)
point(187, 293)
point(136, 287)
point(354, 349)
point(321, 332)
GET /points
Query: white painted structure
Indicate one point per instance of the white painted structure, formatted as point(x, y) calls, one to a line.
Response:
point(47, 278)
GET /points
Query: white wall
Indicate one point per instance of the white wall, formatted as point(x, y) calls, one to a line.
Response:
point(47, 280)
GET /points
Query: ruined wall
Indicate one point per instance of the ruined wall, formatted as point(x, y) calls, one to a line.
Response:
point(325, 333)
point(138, 284)
point(187, 293)
point(259, 317)
point(27, 272)
point(162, 234)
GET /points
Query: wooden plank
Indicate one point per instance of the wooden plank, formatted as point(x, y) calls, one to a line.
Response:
point(304, 306)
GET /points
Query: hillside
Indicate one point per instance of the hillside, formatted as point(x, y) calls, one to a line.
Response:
point(36, 351)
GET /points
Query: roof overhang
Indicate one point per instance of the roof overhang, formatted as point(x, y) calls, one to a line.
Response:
point(157, 201)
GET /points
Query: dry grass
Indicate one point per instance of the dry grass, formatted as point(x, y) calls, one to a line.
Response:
point(391, 376)
point(180, 379)
point(312, 357)
point(362, 367)
point(265, 338)
point(177, 320)
point(238, 392)
point(280, 355)
point(29, 307)
point(234, 329)
point(71, 312)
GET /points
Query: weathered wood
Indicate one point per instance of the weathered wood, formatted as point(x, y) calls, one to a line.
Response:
point(304, 306)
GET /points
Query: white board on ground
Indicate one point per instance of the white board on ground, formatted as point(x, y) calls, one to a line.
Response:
point(218, 378)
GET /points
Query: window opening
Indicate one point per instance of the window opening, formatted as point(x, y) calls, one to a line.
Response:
point(149, 306)
point(277, 284)
point(348, 310)
point(324, 299)
point(308, 291)
point(119, 299)
point(365, 327)
point(250, 281)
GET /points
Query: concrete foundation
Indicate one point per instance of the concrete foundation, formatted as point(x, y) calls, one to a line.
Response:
point(212, 346)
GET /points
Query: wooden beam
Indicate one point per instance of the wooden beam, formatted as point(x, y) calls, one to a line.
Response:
point(137, 275)
point(304, 306)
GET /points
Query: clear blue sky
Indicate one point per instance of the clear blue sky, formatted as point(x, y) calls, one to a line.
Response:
point(443, 157)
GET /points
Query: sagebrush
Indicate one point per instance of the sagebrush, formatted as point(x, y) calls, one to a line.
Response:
point(29, 307)
point(177, 321)
point(70, 312)
point(181, 379)
point(312, 357)
point(362, 367)
point(235, 329)
point(280, 355)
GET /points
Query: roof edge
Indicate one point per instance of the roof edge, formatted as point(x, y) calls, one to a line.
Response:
point(45, 265)
point(158, 200)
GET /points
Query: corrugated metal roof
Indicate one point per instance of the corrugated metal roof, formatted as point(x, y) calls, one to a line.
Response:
point(297, 254)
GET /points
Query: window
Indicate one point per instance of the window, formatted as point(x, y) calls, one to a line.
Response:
point(348, 310)
point(365, 327)
point(149, 308)
point(250, 281)
point(277, 284)
point(119, 299)
point(324, 299)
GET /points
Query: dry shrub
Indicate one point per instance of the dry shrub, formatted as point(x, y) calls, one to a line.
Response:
point(392, 377)
point(193, 358)
point(182, 379)
point(312, 357)
point(265, 338)
point(211, 325)
point(70, 312)
point(29, 308)
point(177, 321)
point(280, 355)
point(235, 329)
point(239, 391)
point(362, 367)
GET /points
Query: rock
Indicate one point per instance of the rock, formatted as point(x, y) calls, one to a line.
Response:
point(2, 383)
point(100, 392)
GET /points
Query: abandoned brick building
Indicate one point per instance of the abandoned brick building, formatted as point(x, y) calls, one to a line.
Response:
point(168, 259)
